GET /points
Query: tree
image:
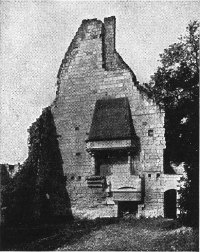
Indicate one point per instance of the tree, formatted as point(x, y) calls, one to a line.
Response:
point(4, 181)
point(38, 192)
point(175, 87)
point(50, 183)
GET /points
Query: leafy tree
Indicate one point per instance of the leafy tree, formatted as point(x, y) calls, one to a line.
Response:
point(38, 191)
point(175, 87)
point(4, 178)
point(50, 184)
point(4, 181)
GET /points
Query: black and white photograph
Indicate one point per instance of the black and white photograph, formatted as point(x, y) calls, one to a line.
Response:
point(99, 132)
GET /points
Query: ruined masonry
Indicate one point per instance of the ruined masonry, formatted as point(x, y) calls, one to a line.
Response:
point(111, 136)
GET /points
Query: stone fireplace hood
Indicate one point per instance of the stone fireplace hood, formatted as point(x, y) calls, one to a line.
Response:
point(112, 125)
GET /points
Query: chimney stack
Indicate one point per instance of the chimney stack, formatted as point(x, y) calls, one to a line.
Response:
point(109, 42)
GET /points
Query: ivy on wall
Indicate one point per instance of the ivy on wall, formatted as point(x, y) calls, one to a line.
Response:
point(38, 191)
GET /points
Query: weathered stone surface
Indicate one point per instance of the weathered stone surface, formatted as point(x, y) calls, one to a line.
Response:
point(92, 70)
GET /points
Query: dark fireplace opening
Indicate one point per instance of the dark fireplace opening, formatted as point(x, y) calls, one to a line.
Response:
point(127, 207)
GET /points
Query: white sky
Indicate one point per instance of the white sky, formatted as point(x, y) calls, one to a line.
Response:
point(36, 34)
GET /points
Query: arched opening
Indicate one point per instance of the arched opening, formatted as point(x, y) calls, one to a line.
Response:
point(170, 204)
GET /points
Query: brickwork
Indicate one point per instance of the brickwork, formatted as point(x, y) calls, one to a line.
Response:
point(92, 70)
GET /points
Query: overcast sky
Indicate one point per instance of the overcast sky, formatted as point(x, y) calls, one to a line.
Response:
point(36, 34)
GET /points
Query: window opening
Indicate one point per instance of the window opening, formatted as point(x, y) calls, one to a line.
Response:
point(150, 133)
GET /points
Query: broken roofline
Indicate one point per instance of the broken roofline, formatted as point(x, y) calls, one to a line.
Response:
point(109, 53)
point(107, 34)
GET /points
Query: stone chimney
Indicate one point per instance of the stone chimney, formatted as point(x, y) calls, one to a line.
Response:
point(109, 43)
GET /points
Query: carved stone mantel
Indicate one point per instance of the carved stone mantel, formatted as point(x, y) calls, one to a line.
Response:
point(106, 145)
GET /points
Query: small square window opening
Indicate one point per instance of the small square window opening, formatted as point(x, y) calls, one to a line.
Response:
point(150, 133)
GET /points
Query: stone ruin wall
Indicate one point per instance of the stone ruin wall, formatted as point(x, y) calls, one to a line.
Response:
point(92, 69)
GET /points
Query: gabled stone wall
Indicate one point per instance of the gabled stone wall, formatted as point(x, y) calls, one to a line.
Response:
point(91, 70)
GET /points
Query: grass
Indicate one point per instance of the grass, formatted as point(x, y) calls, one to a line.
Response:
point(107, 235)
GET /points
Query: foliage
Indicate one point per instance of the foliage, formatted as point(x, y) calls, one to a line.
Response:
point(189, 200)
point(5, 178)
point(175, 86)
point(38, 192)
